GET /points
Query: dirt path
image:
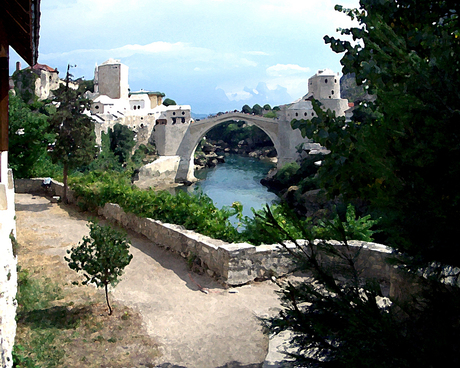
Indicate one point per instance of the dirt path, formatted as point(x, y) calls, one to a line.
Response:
point(218, 329)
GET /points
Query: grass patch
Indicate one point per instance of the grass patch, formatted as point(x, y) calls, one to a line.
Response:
point(53, 331)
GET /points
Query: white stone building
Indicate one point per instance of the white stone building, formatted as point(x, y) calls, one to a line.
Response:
point(324, 86)
point(114, 103)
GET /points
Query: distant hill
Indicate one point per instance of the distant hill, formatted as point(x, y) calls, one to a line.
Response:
point(199, 116)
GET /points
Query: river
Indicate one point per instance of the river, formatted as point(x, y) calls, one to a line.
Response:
point(238, 179)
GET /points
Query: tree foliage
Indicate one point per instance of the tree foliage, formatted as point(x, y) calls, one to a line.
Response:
point(399, 157)
point(102, 256)
point(121, 142)
point(257, 109)
point(73, 130)
point(401, 153)
point(28, 136)
point(246, 109)
point(169, 102)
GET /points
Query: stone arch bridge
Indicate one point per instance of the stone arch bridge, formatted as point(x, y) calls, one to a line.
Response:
point(179, 141)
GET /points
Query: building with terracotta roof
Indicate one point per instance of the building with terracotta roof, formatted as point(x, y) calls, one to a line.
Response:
point(38, 81)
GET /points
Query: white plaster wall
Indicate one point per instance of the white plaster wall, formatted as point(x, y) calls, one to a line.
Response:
point(8, 273)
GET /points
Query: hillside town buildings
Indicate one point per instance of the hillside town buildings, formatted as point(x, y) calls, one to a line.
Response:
point(114, 102)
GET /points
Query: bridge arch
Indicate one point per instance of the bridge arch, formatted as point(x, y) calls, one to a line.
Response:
point(225, 119)
point(199, 129)
point(181, 140)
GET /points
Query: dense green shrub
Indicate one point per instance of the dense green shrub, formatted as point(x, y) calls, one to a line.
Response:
point(197, 211)
point(279, 223)
point(194, 212)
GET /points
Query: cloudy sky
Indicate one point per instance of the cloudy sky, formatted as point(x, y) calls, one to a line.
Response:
point(214, 55)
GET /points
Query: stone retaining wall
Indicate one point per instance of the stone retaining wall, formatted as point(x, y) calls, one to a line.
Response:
point(234, 264)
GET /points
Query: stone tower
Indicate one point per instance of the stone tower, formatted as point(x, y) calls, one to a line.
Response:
point(111, 79)
point(325, 84)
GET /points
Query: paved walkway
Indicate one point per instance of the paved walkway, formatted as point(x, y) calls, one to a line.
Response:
point(196, 330)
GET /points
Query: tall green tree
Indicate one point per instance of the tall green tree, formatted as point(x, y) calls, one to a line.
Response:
point(73, 130)
point(401, 153)
point(28, 136)
point(399, 158)
point(121, 142)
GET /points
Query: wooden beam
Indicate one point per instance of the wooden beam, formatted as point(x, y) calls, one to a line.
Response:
point(4, 88)
point(21, 21)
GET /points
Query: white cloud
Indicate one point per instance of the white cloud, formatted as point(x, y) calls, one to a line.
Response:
point(238, 96)
point(154, 47)
point(280, 70)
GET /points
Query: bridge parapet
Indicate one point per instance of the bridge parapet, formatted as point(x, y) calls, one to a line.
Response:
point(236, 116)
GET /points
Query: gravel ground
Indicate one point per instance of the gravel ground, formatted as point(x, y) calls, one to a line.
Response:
point(217, 329)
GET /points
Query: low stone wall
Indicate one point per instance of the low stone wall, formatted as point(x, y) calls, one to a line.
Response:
point(234, 264)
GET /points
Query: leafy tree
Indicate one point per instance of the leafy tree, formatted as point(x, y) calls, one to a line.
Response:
point(105, 159)
point(246, 109)
point(28, 136)
point(402, 156)
point(169, 102)
point(267, 107)
point(399, 156)
point(121, 142)
point(86, 85)
point(257, 109)
point(73, 130)
point(270, 114)
point(101, 257)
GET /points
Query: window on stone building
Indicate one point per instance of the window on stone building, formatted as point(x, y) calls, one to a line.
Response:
point(325, 81)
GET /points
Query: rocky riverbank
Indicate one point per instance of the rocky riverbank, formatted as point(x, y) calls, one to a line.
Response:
point(213, 152)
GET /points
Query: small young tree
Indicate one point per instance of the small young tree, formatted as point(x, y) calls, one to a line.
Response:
point(102, 257)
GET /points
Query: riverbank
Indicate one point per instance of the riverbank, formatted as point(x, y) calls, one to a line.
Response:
point(214, 152)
